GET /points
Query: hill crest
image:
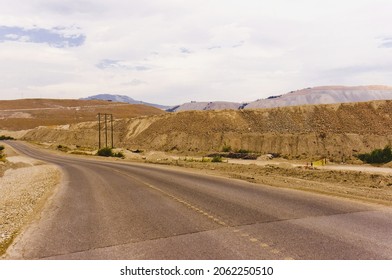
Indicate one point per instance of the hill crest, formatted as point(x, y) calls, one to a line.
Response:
point(30, 113)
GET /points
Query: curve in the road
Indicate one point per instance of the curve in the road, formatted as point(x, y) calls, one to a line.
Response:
point(112, 210)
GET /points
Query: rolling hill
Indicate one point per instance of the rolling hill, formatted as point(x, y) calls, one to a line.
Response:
point(336, 131)
point(316, 95)
point(30, 113)
point(123, 99)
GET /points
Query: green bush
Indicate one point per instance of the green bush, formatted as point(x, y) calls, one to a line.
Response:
point(226, 149)
point(62, 148)
point(3, 137)
point(107, 152)
point(243, 151)
point(119, 155)
point(377, 156)
point(216, 159)
point(2, 156)
point(205, 159)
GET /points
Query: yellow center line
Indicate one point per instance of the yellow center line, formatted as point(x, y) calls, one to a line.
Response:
point(208, 215)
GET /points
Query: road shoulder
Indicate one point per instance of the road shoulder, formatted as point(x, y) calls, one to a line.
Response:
point(25, 186)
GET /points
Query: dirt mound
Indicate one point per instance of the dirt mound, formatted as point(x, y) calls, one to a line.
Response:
point(336, 131)
point(30, 113)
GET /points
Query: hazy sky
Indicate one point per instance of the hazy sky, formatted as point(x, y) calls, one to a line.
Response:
point(172, 51)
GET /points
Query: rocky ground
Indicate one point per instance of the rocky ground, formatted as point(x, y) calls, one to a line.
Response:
point(25, 185)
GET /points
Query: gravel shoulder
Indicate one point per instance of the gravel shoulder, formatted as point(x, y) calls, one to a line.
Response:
point(25, 186)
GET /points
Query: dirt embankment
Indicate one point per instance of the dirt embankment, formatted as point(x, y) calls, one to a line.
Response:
point(25, 185)
point(335, 131)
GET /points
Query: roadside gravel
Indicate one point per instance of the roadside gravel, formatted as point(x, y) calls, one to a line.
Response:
point(24, 188)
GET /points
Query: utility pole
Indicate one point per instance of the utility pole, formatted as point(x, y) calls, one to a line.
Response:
point(106, 130)
point(111, 125)
point(99, 131)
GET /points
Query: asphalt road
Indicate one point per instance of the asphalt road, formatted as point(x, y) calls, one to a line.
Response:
point(113, 210)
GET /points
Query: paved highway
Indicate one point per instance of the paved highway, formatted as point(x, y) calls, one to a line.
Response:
point(112, 210)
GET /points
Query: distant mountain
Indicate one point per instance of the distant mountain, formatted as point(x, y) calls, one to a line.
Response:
point(204, 106)
point(124, 99)
point(324, 95)
point(316, 95)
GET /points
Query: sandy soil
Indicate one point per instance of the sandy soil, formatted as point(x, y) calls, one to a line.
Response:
point(25, 185)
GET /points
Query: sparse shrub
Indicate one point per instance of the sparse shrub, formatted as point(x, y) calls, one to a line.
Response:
point(62, 148)
point(2, 156)
point(236, 155)
point(3, 137)
point(377, 156)
point(105, 152)
point(80, 153)
point(277, 155)
point(216, 159)
point(108, 152)
point(205, 159)
point(119, 155)
point(243, 151)
point(226, 149)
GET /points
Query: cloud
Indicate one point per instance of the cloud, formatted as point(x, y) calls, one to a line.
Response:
point(121, 64)
point(356, 70)
point(72, 7)
point(57, 37)
point(108, 63)
point(135, 82)
point(239, 44)
point(185, 50)
point(386, 43)
point(140, 68)
point(191, 50)
point(214, 47)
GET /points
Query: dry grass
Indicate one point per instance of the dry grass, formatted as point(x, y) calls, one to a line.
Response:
point(31, 113)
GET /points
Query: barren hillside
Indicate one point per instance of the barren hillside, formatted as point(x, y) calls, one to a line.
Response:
point(337, 131)
point(308, 96)
point(30, 113)
point(206, 106)
point(325, 95)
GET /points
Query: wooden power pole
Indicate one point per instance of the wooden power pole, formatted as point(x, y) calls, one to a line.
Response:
point(99, 131)
point(106, 130)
